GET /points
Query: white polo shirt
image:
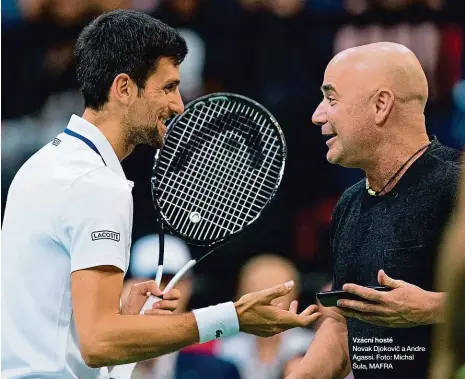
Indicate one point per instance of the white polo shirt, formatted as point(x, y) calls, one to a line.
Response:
point(67, 209)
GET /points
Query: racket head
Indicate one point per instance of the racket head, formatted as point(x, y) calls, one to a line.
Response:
point(221, 165)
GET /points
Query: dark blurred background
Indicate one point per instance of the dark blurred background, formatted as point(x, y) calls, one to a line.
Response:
point(274, 51)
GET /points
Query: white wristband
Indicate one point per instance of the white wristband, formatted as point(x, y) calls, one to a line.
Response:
point(216, 321)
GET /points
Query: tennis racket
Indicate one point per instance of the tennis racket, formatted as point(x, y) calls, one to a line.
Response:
point(221, 165)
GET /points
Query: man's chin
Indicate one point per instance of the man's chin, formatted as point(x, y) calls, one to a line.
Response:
point(157, 144)
point(335, 158)
point(339, 160)
point(154, 138)
point(332, 158)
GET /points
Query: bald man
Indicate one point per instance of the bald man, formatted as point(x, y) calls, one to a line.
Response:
point(387, 225)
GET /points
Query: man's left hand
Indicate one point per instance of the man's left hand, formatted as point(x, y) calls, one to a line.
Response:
point(140, 293)
point(404, 306)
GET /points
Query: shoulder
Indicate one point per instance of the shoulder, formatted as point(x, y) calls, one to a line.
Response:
point(446, 163)
point(355, 191)
point(100, 180)
point(445, 155)
point(99, 191)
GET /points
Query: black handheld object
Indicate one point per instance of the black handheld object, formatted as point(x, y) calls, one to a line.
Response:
point(330, 298)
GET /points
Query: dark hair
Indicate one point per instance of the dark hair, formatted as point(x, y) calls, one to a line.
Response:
point(122, 41)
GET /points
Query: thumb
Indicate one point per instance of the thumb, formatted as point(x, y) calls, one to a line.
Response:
point(385, 280)
point(277, 291)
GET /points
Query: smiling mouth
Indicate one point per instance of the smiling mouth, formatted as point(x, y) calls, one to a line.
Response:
point(329, 136)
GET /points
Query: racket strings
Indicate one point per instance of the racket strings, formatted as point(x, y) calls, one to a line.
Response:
point(251, 134)
point(241, 181)
point(223, 219)
point(223, 197)
point(228, 173)
point(198, 175)
point(220, 196)
point(222, 160)
point(276, 166)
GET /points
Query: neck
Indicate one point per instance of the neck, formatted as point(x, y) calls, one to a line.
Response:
point(390, 159)
point(112, 129)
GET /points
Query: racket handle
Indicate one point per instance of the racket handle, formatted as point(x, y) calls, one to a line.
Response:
point(149, 302)
point(179, 275)
point(125, 371)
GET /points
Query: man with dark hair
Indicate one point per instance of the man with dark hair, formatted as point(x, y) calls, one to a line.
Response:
point(139, 46)
point(68, 220)
point(386, 226)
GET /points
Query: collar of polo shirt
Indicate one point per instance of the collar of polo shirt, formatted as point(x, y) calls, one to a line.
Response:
point(90, 131)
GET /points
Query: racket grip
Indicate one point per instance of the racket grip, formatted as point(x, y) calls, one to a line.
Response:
point(149, 302)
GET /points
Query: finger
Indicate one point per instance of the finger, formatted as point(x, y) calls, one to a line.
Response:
point(149, 287)
point(169, 305)
point(280, 306)
point(172, 294)
point(304, 321)
point(385, 280)
point(363, 307)
point(294, 306)
point(143, 288)
point(309, 310)
point(367, 293)
point(276, 291)
point(157, 312)
point(154, 289)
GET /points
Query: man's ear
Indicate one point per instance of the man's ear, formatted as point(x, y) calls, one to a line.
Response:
point(123, 89)
point(383, 103)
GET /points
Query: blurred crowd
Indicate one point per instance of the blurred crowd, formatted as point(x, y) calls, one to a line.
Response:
point(273, 51)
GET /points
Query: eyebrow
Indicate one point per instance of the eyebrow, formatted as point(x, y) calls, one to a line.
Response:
point(328, 88)
point(172, 81)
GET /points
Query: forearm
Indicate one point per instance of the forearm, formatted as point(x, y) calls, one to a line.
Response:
point(328, 354)
point(121, 339)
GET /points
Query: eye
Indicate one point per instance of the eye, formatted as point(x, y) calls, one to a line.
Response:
point(170, 88)
point(331, 101)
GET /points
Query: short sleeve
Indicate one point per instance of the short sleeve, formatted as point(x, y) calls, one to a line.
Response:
point(98, 221)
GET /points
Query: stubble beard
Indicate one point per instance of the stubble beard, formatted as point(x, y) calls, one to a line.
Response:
point(142, 134)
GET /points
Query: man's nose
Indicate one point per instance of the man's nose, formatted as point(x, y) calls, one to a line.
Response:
point(178, 105)
point(319, 116)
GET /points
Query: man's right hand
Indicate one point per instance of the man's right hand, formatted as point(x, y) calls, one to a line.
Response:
point(259, 317)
